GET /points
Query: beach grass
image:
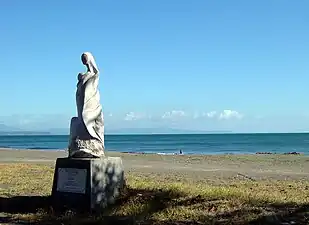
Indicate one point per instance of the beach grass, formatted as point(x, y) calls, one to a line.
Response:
point(152, 199)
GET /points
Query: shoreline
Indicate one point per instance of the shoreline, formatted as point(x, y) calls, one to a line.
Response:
point(164, 153)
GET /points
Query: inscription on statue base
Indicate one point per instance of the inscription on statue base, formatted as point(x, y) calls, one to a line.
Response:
point(72, 180)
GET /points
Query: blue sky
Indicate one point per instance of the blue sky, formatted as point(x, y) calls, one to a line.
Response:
point(203, 65)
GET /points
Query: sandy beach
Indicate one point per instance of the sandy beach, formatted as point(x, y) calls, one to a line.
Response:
point(212, 168)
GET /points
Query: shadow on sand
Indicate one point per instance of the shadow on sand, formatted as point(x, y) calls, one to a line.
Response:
point(156, 201)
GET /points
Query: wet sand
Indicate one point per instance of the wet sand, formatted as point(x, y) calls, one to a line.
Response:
point(212, 168)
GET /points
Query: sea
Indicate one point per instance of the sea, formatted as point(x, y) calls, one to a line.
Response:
point(173, 143)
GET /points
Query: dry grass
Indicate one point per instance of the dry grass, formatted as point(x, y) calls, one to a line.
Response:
point(24, 191)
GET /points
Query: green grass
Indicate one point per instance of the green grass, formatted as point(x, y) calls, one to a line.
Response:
point(151, 199)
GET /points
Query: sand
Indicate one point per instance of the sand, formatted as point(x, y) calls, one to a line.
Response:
point(213, 168)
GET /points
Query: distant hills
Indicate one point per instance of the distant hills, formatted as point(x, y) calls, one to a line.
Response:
point(4, 127)
point(7, 130)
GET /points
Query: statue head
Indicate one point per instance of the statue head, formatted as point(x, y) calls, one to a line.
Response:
point(88, 60)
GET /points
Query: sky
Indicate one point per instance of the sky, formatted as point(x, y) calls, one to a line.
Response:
point(239, 65)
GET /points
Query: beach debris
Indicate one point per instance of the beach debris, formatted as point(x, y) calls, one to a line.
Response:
point(274, 153)
point(292, 153)
point(246, 176)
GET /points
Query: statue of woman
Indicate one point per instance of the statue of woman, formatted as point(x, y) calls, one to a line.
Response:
point(87, 130)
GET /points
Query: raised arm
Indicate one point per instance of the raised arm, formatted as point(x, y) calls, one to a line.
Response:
point(86, 76)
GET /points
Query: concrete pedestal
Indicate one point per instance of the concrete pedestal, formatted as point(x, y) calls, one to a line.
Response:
point(87, 184)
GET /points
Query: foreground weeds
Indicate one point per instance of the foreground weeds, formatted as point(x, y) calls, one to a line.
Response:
point(25, 190)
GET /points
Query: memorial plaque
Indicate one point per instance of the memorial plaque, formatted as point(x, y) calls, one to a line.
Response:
point(72, 180)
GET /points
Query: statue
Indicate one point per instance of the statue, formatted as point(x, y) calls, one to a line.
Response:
point(87, 129)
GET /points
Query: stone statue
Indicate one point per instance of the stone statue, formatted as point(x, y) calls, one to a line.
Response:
point(87, 129)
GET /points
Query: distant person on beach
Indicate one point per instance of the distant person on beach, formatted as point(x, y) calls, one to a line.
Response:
point(180, 152)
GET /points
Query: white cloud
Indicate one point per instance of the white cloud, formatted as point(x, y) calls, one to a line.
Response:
point(134, 116)
point(225, 114)
point(110, 115)
point(230, 114)
point(130, 116)
point(211, 114)
point(173, 114)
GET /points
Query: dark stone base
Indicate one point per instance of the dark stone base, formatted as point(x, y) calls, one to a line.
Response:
point(87, 185)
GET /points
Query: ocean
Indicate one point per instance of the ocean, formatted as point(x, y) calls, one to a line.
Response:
point(172, 143)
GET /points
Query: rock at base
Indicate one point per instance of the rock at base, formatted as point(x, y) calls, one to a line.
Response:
point(87, 184)
point(89, 148)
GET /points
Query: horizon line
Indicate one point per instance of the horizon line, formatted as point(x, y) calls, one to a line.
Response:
point(148, 134)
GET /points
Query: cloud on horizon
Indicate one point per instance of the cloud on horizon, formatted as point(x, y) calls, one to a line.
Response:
point(174, 114)
point(230, 114)
point(29, 121)
point(228, 120)
point(226, 114)
point(130, 116)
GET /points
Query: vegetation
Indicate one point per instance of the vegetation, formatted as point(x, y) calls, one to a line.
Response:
point(25, 190)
